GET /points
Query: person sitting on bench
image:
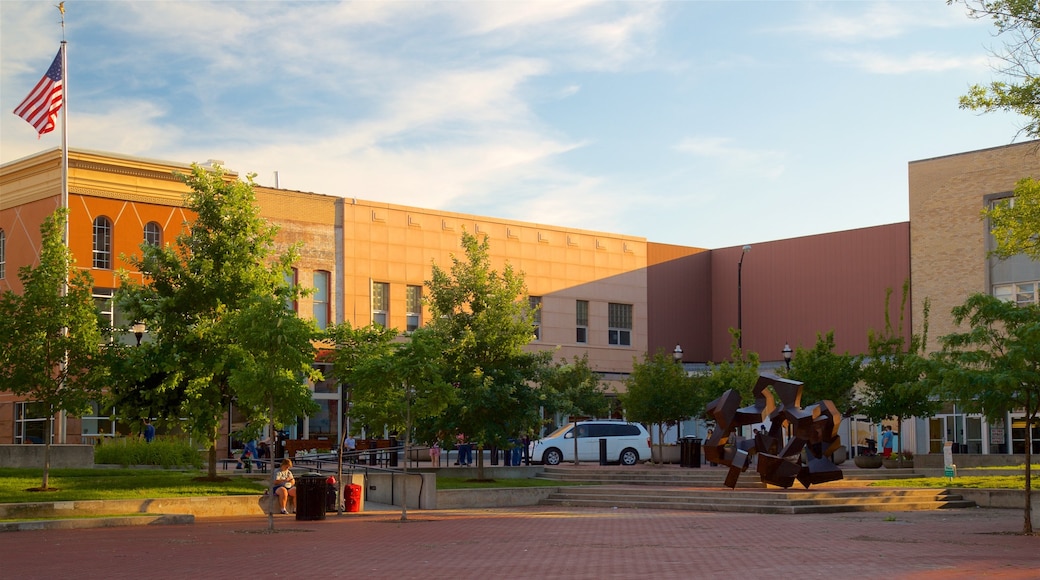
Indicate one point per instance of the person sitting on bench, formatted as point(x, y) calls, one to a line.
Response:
point(285, 485)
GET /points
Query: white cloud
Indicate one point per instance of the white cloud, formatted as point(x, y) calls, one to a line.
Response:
point(904, 64)
point(876, 20)
point(723, 149)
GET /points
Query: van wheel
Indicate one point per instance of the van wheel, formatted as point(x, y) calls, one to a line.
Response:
point(552, 457)
point(629, 457)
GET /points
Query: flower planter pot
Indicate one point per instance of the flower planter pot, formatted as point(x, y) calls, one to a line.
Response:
point(894, 464)
point(867, 461)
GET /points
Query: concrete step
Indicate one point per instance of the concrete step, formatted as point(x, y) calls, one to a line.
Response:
point(760, 501)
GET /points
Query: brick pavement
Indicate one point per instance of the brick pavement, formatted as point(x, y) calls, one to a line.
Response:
point(540, 542)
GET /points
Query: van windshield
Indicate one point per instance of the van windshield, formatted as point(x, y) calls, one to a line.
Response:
point(559, 432)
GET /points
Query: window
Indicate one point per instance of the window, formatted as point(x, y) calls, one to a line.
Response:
point(380, 302)
point(619, 321)
point(292, 278)
point(103, 243)
point(1021, 293)
point(536, 307)
point(30, 422)
point(98, 423)
point(153, 234)
point(581, 319)
point(109, 317)
point(413, 299)
point(321, 298)
point(3, 254)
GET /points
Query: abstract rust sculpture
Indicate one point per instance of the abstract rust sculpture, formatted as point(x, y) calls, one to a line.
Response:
point(813, 429)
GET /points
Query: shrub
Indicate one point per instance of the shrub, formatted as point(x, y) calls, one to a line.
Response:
point(164, 451)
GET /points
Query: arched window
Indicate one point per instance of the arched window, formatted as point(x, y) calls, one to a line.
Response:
point(3, 254)
point(153, 233)
point(103, 243)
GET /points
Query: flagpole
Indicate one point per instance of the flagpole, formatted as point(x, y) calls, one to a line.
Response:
point(64, 124)
point(63, 417)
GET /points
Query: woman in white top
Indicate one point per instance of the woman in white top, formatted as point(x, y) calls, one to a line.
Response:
point(285, 484)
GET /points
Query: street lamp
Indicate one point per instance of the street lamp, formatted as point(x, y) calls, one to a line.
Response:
point(787, 355)
point(677, 354)
point(139, 330)
point(740, 326)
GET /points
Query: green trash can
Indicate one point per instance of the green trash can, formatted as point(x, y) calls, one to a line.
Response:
point(310, 496)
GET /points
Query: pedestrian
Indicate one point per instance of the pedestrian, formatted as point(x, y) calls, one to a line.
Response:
point(886, 441)
point(149, 431)
point(707, 438)
point(435, 455)
point(350, 448)
point(465, 451)
point(248, 455)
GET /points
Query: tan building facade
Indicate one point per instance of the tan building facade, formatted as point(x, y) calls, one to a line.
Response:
point(949, 243)
point(366, 262)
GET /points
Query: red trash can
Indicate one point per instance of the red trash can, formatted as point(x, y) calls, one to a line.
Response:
point(354, 498)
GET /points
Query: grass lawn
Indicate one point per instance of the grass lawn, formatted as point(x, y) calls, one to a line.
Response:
point(88, 484)
point(970, 481)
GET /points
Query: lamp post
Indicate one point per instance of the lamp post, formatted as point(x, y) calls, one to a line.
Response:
point(787, 355)
point(677, 354)
point(740, 325)
point(139, 329)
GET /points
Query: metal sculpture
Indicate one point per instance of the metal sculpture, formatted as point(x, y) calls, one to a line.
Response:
point(813, 435)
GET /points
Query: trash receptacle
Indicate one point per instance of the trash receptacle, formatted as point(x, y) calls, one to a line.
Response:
point(690, 452)
point(331, 497)
point(353, 497)
point(310, 497)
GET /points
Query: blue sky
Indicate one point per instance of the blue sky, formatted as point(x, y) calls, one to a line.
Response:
point(707, 124)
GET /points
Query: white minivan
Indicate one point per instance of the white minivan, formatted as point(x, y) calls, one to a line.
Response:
point(627, 443)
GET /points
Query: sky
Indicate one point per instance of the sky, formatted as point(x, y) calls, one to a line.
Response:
point(705, 124)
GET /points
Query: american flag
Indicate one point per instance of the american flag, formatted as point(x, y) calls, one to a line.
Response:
point(41, 107)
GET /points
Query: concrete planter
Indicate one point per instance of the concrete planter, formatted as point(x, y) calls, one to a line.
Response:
point(895, 464)
point(668, 454)
point(867, 461)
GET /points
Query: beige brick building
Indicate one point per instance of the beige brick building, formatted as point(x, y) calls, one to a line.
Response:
point(949, 243)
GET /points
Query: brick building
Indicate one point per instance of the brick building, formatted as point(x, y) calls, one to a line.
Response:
point(612, 296)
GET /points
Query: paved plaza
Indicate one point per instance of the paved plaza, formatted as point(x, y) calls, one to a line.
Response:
point(540, 542)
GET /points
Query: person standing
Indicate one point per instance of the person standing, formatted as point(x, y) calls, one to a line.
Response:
point(435, 455)
point(886, 441)
point(149, 431)
point(350, 448)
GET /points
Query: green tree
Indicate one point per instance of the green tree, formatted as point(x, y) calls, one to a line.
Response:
point(485, 320)
point(739, 373)
point(354, 350)
point(404, 383)
point(50, 341)
point(1018, 22)
point(1015, 225)
point(204, 299)
point(826, 375)
point(994, 367)
point(573, 388)
point(660, 392)
point(894, 371)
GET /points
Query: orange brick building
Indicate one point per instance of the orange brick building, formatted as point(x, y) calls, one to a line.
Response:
point(612, 296)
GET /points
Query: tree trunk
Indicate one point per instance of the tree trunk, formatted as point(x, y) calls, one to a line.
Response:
point(212, 472)
point(480, 460)
point(47, 451)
